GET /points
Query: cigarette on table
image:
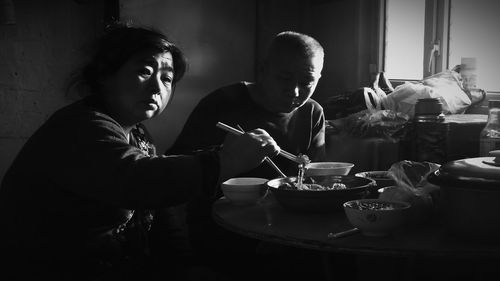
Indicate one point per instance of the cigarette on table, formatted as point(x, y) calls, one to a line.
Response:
point(343, 233)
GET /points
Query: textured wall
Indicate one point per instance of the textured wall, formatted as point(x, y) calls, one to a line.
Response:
point(37, 54)
point(218, 38)
point(223, 40)
point(347, 29)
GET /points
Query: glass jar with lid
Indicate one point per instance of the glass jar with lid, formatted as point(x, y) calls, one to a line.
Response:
point(489, 138)
point(429, 138)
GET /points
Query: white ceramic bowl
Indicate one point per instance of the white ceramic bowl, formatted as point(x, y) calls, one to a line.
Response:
point(328, 168)
point(244, 190)
point(375, 217)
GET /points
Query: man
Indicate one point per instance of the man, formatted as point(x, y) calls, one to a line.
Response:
point(278, 102)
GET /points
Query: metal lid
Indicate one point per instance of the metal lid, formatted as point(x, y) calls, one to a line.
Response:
point(474, 173)
point(430, 118)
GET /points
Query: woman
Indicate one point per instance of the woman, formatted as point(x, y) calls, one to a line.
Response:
point(76, 202)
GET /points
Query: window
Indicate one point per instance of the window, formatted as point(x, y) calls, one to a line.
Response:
point(474, 32)
point(404, 39)
point(421, 38)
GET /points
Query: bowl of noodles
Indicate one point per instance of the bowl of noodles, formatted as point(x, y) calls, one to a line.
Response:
point(327, 195)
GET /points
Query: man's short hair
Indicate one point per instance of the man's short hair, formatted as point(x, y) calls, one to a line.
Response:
point(302, 43)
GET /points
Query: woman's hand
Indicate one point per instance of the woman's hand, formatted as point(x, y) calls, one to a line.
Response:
point(245, 152)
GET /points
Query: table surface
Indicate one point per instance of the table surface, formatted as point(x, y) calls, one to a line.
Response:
point(268, 221)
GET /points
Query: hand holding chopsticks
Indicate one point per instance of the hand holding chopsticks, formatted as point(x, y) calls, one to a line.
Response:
point(288, 155)
point(269, 161)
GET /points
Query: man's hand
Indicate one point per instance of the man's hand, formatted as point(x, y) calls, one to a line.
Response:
point(245, 152)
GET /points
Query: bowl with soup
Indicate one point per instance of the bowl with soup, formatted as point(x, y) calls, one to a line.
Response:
point(324, 195)
point(375, 217)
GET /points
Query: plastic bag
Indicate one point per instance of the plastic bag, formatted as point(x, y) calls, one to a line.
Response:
point(412, 174)
point(405, 96)
point(445, 85)
point(411, 186)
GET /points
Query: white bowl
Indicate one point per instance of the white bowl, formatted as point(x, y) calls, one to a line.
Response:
point(375, 217)
point(242, 191)
point(328, 168)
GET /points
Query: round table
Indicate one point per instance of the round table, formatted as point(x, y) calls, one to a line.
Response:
point(268, 221)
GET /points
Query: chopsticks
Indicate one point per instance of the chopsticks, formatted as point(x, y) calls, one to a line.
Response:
point(235, 131)
point(269, 161)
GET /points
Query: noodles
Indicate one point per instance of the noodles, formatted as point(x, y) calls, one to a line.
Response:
point(313, 186)
point(302, 167)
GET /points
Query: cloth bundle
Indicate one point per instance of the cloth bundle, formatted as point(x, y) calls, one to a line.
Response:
point(447, 86)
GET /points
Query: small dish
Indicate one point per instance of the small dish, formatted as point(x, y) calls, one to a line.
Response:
point(381, 178)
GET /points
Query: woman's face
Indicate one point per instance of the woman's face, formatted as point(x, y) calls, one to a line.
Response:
point(141, 88)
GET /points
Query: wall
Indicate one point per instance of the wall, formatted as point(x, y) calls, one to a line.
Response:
point(37, 53)
point(223, 40)
point(347, 30)
point(218, 38)
point(276, 16)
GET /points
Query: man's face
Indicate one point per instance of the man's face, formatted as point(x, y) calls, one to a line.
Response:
point(289, 80)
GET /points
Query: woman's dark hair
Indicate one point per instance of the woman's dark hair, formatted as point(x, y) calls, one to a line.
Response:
point(120, 42)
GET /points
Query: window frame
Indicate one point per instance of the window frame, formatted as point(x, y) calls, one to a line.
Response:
point(435, 32)
point(437, 22)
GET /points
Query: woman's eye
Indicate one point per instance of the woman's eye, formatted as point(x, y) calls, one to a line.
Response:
point(166, 79)
point(145, 72)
